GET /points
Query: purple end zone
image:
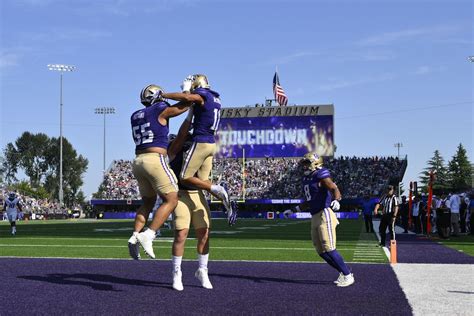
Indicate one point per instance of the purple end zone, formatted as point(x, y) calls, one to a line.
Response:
point(416, 249)
point(126, 287)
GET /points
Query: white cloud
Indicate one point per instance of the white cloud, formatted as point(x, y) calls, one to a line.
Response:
point(339, 84)
point(290, 58)
point(424, 70)
point(391, 37)
point(8, 60)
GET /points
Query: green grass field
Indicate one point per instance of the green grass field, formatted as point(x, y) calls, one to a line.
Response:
point(462, 243)
point(250, 239)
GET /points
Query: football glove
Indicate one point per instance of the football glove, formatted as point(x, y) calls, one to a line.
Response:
point(187, 84)
point(335, 206)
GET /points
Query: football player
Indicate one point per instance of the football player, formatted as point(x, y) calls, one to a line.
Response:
point(322, 199)
point(197, 163)
point(150, 166)
point(11, 206)
point(192, 208)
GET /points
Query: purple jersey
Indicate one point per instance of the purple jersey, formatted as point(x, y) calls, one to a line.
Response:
point(207, 116)
point(147, 131)
point(317, 195)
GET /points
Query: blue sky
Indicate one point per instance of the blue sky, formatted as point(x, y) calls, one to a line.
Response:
point(396, 71)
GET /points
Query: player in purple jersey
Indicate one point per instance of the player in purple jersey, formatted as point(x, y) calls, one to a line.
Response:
point(322, 199)
point(150, 166)
point(198, 161)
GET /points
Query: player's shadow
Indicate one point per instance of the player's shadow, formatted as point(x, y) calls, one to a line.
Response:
point(98, 282)
point(269, 279)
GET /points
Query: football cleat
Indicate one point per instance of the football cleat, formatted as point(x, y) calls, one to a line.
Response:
point(146, 241)
point(201, 275)
point(232, 214)
point(151, 94)
point(177, 280)
point(347, 280)
point(340, 278)
point(134, 247)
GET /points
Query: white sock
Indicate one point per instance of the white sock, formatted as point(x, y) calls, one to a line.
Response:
point(177, 262)
point(203, 260)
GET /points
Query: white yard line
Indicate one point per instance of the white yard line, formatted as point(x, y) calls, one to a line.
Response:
point(163, 247)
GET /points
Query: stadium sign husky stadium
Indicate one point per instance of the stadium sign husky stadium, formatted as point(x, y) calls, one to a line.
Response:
point(290, 131)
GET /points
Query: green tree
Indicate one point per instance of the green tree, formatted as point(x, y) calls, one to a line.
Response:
point(460, 171)
point(74, 166)
point(436, 163)
point(29, 153)
point(38, 156)
point(10, 164)
point(24, 188)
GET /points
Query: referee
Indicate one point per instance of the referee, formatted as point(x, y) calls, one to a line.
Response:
point(389, 203)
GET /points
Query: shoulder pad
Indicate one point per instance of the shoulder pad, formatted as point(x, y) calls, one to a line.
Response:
point(323, 173)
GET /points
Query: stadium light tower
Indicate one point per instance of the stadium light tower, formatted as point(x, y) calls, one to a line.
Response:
point(61, 68)
point(104, 110)
point(398, 145)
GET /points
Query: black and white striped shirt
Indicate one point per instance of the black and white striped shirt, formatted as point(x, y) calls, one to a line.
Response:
point(389, 203)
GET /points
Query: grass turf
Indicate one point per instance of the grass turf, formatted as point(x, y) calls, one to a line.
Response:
point(463, 243)
point(250, 239)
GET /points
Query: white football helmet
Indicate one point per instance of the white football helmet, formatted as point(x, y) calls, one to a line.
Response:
point(313, 161)
point(200, 81)
point(151, 94)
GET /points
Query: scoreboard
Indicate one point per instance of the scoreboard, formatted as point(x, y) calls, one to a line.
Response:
point(275, 131)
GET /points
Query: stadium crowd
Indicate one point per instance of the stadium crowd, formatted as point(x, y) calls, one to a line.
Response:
point(41, 208)
point(271, 178)
point(119, 182)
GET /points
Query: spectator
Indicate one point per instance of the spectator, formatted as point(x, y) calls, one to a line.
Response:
point(415, 215)
point(404, 213)
point(368, 210)
point(454, 205)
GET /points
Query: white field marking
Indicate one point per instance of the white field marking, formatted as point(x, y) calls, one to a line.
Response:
point(252, 228)
point(216, 260)
point(224, 232)
point(158, 239)
point(124, 246)
point(365, 249)
point(441, 289)
point(109, 230)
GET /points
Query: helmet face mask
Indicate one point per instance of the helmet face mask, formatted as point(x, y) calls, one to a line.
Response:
point(200, 81)
point(310, 163)
point(12, 195)
point(149, 93)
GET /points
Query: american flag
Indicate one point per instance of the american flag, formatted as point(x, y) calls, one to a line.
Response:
point(278, 91)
